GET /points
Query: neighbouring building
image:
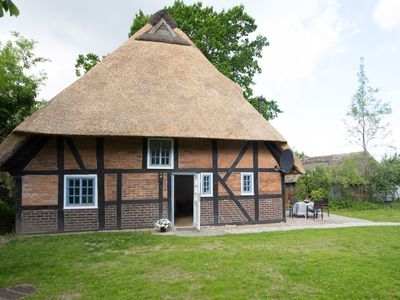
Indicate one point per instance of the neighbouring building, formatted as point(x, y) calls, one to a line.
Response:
point(152, 131)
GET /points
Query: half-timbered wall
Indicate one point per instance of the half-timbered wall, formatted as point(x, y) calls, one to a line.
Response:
point(131, 196)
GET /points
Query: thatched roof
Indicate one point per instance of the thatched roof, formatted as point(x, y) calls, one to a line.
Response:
point(156, 84)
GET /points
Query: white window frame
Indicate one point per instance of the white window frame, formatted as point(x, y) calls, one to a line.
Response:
point(171, 161)
point(242, 183)
point(95, 202)
point(211, 193)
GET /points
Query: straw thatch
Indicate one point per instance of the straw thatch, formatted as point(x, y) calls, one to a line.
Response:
point(153, 89)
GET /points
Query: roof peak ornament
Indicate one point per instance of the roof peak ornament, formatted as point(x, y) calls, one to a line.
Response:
point(162, 30)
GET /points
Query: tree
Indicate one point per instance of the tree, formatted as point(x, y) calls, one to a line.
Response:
point(18, 85)
point(85, 62)
point(225, 38)
point(366, 113)
point(386, 176)
point(8, 6)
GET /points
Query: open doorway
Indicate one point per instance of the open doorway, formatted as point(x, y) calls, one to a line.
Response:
point(183, 194)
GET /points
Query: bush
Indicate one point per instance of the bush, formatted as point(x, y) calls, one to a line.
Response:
point(7, 214)
point(346, 203)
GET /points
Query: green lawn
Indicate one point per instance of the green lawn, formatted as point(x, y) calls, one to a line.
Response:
point(347, 263)
point(377, 215)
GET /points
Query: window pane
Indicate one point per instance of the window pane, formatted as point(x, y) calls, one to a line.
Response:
point(80, 191)
point(160, 152)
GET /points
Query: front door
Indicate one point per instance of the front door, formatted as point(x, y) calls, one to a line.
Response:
point(186, 200)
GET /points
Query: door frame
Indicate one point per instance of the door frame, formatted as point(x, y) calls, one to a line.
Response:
point(173, 174)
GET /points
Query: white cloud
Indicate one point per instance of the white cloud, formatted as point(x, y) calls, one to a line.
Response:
point(387, 14)
point(300, 39)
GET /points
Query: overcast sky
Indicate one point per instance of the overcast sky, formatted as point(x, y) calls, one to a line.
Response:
point(310, 67)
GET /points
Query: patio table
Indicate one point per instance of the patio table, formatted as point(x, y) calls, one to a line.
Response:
point(300, 208)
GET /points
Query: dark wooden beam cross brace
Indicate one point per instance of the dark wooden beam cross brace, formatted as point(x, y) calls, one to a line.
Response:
point(237, 160)
point(232, 197)
point(75, 152)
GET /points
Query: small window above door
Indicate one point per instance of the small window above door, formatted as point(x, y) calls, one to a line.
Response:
point(160, 154)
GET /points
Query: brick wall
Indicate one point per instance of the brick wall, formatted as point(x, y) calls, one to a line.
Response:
point(111, 216)
point(39, 190)
point(269, 183)
point(206, 212)
point(81, 219)
point(46, 159)
point(110, 187)
point(86, 147)
point(195, 153)
point(122, 153)
point(229, 150)
point(270, 209)
point(140, 186)
point(165, 209)
point(39, 221)
point(265, 158)
point(139, 215)
point(229, 212)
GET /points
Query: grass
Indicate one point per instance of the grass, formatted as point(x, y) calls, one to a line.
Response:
point(347, 263)
point(376, 215)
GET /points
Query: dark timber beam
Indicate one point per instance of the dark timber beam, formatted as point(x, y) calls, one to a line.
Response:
point(119, 198)
point(255, 174)
point(237, 160)
point(100, 180)
point(23, 156)
point(18, 203)
point(144, 153)
point(232, 197)
point(60, 170)
point(214, 149)
point(75, 152)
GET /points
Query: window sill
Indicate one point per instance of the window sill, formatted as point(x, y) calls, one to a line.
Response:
point(80, 207)
point(160, 167)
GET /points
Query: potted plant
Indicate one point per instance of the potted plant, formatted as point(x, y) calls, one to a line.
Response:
point(163, 224)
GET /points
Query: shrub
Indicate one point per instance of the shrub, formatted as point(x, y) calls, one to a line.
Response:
point(7, 214)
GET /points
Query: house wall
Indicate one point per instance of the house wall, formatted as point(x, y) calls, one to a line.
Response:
point(131, 196)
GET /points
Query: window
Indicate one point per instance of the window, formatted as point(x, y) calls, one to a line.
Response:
point(247, 184)
point(206, 184)
point(160, 154)
point(80, 191)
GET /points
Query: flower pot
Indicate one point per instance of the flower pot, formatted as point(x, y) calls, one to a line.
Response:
point(163, 229)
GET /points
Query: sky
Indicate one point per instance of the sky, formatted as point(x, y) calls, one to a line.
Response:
point(310, 67)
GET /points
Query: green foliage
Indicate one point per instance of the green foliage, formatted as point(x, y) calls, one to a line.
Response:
point(269, 108)
point(366, 113)
point(138, 22)
point(347, 174)
point(7, 214)
point(349, 203)
point(18, 85)
point(315, 184)
point(386, 176)
point(8, 6)
point(346, 178)
point(85, 62)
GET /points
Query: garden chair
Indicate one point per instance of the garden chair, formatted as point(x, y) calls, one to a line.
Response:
point(325, 204)
point(290, 207)
point(318, 207)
